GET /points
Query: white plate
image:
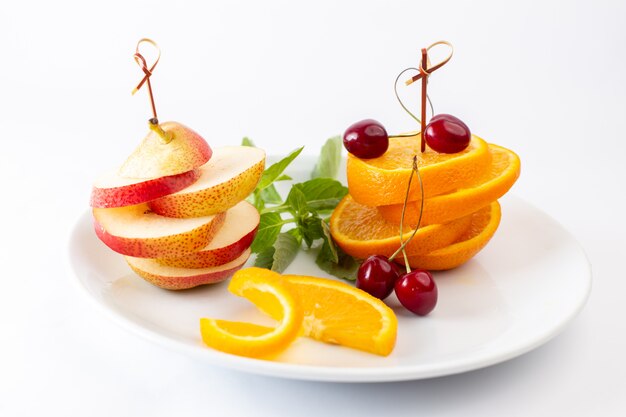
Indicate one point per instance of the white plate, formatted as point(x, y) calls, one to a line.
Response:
point(520, 291)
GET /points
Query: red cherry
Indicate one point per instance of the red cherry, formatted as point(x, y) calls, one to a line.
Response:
point(417, 291)
point(366, 139)
point(447, 134)
point(377, 276)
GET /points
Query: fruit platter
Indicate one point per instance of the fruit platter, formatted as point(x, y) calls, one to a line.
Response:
point(382, 258)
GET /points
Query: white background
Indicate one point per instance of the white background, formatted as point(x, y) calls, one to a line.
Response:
point(543, 78)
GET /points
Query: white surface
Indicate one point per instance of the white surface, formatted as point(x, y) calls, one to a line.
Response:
point(543, 78)
point(490, 310)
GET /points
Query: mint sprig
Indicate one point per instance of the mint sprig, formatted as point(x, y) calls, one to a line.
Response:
point(300, 218)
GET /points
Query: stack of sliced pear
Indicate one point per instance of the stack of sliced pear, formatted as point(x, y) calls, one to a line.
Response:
point(176, 209)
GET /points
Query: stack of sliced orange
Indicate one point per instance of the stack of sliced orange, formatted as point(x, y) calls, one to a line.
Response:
point(460, 213)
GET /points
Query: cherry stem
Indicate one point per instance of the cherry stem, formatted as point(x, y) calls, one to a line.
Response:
point(419, 220)
point(424, 72)
point(405, 108)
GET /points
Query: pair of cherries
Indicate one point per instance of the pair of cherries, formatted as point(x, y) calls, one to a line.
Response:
point(416, 290)
point(444, 134)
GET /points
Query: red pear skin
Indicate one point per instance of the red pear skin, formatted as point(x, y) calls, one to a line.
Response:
point(141, 191)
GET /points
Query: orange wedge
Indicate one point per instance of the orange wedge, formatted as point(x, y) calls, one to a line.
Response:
point(335, 312)
point(503, 172)
point(384, 180)
point(247, 339)
point(338, 313)
point(361, 231)
point(484, 224)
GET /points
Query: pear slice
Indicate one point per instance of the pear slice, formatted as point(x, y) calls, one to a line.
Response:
point(137, 231)
point(156, 158)
point(111, 190)
point(234, 237)
point(230, 176)
point(173, 278)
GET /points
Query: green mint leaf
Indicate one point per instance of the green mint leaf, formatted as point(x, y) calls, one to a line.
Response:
point(274, 171)
point(321, 194)
point(330, 157)
point(296, 200)
point(285, 250)
point(265, 258)
point(323, 205)
point(311, 229)
point(322, 188)
point(269, 228)
point(247, 142)
point(295, 233)
point(269, 195)
point(335, 261)
point(346, 266)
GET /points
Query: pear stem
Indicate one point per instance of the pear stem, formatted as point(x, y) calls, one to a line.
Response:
point(166, 137)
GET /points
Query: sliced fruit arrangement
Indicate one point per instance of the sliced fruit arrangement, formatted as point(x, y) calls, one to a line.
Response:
point(425, 200)
point(329, 311)
point(175, 208)
point(436, 223)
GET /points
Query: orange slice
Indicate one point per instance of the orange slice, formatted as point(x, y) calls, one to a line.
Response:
point(361, 231)
point(335, 312)
point(483, 226)
point(504, 171)
point(338, 313)
point(247, 339)
point(383, 180)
